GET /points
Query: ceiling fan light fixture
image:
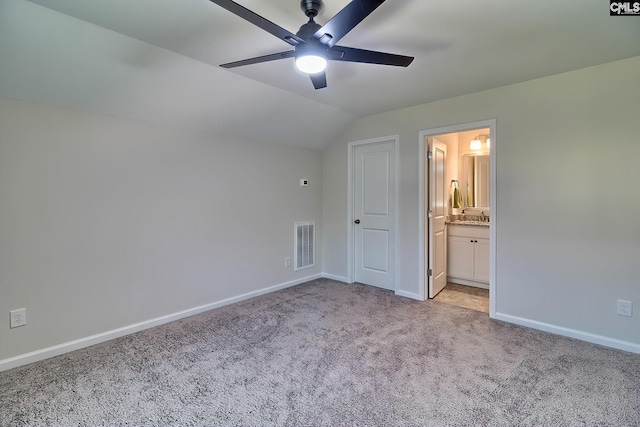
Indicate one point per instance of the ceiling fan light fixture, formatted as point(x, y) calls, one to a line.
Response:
point(311, 63)
point(314, 44)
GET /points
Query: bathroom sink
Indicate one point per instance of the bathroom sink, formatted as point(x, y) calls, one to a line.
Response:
point(481, 220)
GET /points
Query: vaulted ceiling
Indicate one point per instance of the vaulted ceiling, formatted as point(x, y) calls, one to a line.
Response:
point(158, 60)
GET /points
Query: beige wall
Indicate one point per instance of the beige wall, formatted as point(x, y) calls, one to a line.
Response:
point(106, 222)
point(568, 240)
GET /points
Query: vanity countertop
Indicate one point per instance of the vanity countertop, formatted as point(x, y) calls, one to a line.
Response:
point(469, 223)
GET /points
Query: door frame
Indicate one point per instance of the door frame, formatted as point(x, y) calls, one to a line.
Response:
point(422, 248)
point(351, 232)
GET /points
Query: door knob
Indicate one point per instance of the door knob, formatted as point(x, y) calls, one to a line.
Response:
point(357, 221)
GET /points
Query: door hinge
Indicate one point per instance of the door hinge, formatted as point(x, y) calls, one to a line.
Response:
point(430, 213)
point(430, 155)
point(429, 272)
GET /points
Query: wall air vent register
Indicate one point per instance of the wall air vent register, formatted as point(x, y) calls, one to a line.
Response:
point(305, 237)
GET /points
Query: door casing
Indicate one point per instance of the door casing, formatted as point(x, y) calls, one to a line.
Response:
point(422, 242)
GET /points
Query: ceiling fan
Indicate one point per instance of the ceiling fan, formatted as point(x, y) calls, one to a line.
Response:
point(314, 44)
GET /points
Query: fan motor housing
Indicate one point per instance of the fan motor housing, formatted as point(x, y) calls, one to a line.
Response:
point(308, 29)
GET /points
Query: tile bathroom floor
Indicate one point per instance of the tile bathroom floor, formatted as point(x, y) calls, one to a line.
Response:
point(465, 296)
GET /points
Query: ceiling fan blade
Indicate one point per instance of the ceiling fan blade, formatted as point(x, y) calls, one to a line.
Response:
point(345, 20)
point(319, 80)
point(259, 59)
point(349, 54)
point(261, 22)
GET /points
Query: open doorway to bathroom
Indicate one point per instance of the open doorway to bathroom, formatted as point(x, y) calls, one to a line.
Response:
point(463, 187)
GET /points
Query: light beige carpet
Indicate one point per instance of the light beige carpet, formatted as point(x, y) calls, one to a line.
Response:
point(328, 353)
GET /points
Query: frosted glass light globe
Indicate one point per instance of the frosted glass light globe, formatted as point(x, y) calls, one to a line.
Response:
point(311, 64)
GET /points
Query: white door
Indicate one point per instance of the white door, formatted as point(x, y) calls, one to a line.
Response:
point(436, 217)
point(374, 214)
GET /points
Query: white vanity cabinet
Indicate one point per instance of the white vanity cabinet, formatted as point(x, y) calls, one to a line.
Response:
point(468, 255)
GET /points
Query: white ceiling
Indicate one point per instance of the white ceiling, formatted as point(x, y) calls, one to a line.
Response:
point(166, 53)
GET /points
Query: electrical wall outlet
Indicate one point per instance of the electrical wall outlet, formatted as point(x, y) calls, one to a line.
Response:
point(17, 318)
point(625, 308)
point(287, 261)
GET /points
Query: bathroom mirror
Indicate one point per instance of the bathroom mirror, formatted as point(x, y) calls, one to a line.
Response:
point(476, 188)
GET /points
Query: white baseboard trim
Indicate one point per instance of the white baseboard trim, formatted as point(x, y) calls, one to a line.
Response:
point(334, 277)
point(56, 350)
point(399, 293)
point(571, 333)
point(411, 295)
